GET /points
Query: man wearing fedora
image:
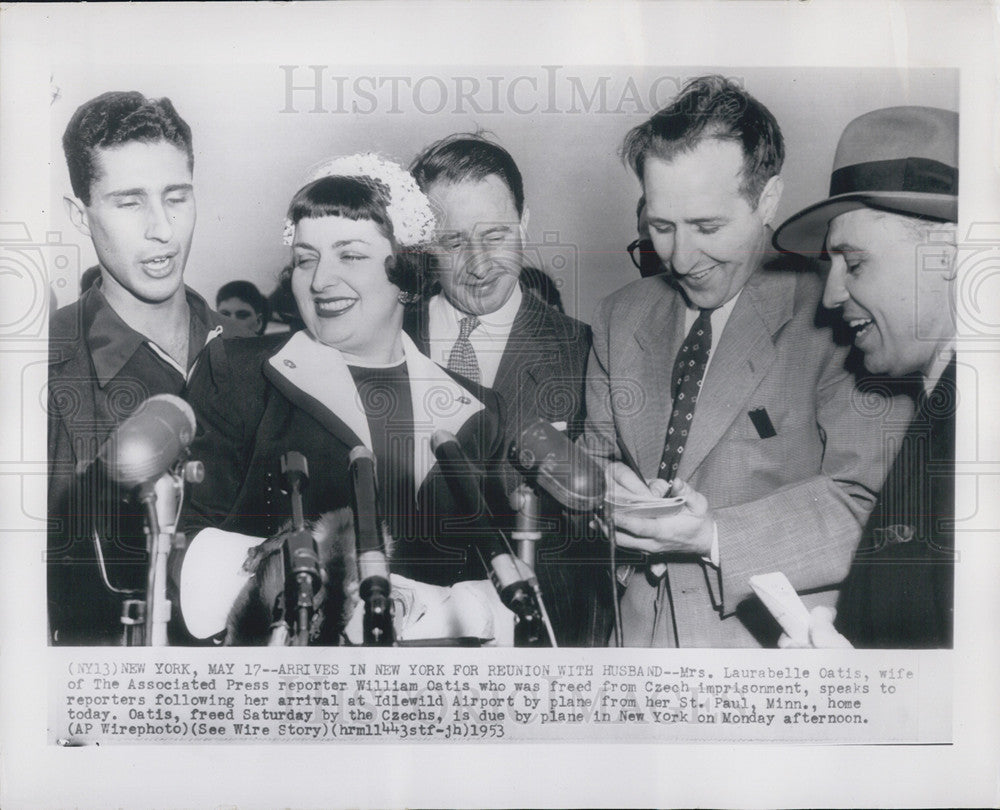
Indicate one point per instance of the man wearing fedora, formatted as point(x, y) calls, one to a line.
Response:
point(888, 229)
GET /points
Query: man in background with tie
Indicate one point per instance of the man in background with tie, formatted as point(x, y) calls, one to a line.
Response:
point(715, 382)
point(484, 325)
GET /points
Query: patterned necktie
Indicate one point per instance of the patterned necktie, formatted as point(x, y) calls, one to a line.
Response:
point(462, 359)
point(689, 369)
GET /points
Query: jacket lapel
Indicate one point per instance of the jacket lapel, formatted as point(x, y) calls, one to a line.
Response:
point(742, 357)
point(523, 352)
point(316, 379)
point(439, 403)
point(659, 336)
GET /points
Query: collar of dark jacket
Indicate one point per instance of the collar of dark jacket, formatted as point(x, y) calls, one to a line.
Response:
point(112, 342)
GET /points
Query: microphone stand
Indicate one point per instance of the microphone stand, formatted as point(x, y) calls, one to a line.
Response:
point(527, 527)
point(302, 572)
point(146, 620)
point(528, 532)
point(518, 591)
point(515, 584)
point(374, 587)
point(549, 461)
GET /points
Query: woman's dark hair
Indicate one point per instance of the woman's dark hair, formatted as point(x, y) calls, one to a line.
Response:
point(358, 198)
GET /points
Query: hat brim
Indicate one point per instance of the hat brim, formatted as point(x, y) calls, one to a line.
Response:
point(805, 232)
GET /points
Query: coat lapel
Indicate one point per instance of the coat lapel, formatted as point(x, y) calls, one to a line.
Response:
point(524, 352)
point(439, 403)
point(741, 359)
point(316, 379)
point(659, 336)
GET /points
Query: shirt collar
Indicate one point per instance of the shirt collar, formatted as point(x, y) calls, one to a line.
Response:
point(502, 318)
point(112, 342)
point(720, 315)
point(940, 362)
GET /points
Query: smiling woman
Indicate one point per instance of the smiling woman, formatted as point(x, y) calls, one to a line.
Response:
point(350, 379)
point(342, 259)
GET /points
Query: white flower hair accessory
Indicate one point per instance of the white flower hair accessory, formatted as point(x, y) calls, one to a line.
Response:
point(409, 209)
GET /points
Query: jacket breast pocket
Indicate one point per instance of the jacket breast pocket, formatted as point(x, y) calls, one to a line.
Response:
point(767, 464)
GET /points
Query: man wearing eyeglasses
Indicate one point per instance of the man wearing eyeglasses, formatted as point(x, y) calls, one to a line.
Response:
point(714, 383)
point(641, 250)
point(485, 325)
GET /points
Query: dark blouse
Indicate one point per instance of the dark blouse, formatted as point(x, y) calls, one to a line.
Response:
point(385, 398)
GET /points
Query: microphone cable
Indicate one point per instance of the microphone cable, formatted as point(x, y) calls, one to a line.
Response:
point(609, 532)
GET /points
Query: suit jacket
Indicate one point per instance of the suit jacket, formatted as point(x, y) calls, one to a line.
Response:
point(900, 591)
point(541, 375)
point(258, 398)
point(793, 502)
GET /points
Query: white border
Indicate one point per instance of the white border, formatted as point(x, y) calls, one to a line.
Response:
point(883, 34)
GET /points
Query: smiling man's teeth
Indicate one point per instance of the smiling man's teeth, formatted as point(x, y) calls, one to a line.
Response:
point(862, 328)
point(157, 262)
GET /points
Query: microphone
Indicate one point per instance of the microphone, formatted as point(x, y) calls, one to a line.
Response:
point(145, 445)
point(373, 568)
point(514, 588)
point(302, 568)
point(559, 467)
point(139, 454)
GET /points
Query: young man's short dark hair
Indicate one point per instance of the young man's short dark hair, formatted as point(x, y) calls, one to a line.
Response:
point(712, 107)
point(468, 156)
point(116, 118)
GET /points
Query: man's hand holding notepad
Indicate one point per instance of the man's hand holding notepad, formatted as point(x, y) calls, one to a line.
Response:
point(622, 502)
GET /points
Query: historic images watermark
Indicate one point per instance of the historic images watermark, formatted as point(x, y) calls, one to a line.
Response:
point(549, 90)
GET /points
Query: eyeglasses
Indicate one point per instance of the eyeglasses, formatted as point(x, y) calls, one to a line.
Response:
point(641, 250)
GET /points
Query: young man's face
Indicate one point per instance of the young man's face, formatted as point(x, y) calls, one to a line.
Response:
point(703, 228)
point(245, 320)
point(478, 250)
point(141, 219)
point(895, 295)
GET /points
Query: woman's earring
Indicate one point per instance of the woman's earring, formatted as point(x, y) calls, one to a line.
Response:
point(407, 298)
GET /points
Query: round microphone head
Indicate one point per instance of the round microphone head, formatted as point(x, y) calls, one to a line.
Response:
point(145, 445)
point(440, 437)
point(360, 452)
point(170, 400)
point(559, 467)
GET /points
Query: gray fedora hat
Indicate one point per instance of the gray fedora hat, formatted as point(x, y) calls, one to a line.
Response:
point(899, 159)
